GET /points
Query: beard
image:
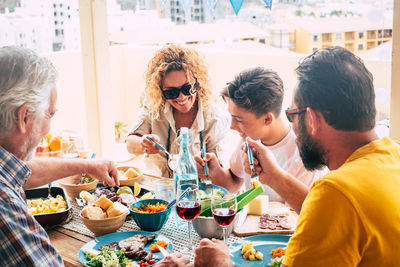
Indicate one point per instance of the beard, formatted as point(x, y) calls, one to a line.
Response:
point(28, 148)
point(311, 152)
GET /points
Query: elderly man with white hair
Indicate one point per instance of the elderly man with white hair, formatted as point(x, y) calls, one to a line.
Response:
point(27, 103)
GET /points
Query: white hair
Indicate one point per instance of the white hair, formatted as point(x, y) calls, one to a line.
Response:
point(25, 78)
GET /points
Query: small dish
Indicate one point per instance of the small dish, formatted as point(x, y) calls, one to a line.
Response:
point(130, 182)
point(149, 221)
point(104, 226)
point(72, 186)
point(55, 218)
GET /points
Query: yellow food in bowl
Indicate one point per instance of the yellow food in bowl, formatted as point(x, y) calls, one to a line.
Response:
point(48, 205)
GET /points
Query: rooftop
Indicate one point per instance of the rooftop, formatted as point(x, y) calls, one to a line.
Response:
point(162, 34)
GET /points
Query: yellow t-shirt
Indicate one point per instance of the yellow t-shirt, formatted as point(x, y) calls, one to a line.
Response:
point(351, 216)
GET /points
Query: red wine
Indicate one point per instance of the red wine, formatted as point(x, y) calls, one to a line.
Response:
point(224, 216)
point(188, 210)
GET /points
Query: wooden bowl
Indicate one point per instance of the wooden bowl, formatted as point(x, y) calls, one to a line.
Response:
point(104, 226)
point(131, 181)
point(70, 184)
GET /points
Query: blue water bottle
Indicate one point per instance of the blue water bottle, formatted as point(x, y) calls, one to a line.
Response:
point(185, 170)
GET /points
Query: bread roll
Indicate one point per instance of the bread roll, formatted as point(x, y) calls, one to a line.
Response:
point(103, 202)
point(93, 213)
point(116, 209)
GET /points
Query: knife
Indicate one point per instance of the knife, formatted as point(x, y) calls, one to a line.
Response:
point(163, 251)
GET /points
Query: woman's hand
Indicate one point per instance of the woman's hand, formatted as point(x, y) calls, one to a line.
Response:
point(148, 146)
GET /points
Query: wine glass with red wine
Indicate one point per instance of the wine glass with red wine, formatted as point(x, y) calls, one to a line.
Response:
point(188, 207)
point(224, 212)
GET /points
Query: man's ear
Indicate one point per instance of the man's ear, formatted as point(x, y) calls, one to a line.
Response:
point(314, 121)
point(23, 118)
point(268, 118)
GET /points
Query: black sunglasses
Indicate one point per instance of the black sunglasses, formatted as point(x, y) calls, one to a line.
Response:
point(295, 111)
point(186, 89)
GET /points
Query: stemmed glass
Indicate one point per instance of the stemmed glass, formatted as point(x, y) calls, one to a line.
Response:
point(188, 207)
point(224, 212)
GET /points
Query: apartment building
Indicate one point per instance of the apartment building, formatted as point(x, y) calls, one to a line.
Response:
point(356, 35)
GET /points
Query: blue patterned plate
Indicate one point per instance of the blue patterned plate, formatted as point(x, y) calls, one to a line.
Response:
point(262, 243)
point(116, 237)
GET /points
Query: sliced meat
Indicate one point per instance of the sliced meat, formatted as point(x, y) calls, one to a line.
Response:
point(130, 254)
point(274, 222)
point(111, 246)
point(136, 242)
point(126, 199)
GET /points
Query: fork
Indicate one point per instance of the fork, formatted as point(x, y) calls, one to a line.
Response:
point(158, 145)
point(49, 190)
point(208, 182)
point(82, 180)
point(254, 175)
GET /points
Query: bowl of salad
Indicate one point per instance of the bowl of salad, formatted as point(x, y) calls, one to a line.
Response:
point(206, 227)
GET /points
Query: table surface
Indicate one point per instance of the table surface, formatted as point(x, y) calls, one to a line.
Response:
point(70, 237)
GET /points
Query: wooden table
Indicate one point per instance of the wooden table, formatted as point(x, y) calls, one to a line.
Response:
point(68, 244)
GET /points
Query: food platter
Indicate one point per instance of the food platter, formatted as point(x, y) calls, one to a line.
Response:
point(251, 224)
point(116, 237)
point(263, 243)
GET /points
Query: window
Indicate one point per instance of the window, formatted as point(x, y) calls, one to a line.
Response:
point(55, 22)
point(360, 46)
point(360, 35)
point(315, 38)
point(349, 36)
point(54, 5)
point(55, 14)
point(62, 32)
point(196, 10)
point(177, 11)
point(326, 37)
point(61, 5)
point(338, 36)
point(61, 14)
point(197, 18)
point(172, 10)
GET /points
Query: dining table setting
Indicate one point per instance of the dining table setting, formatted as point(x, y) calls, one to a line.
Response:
point(144, 211)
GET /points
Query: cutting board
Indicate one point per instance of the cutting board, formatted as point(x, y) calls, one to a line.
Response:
point(250, 225)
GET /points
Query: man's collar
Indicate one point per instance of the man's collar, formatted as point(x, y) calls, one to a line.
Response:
point(15, 167)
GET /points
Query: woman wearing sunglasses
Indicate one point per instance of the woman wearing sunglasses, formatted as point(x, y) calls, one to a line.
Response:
point(178, 94)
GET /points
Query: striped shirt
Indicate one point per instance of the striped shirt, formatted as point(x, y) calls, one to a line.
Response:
point(24, 242)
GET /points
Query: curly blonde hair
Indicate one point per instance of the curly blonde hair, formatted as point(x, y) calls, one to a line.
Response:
point(176, 58)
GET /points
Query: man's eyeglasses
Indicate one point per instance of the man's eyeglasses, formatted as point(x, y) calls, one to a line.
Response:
point(295, 111)
point(186, 89)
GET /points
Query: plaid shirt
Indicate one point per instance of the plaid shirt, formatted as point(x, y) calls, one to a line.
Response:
point(23, 240)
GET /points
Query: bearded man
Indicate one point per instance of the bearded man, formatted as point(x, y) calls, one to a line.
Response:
point(350, 216)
